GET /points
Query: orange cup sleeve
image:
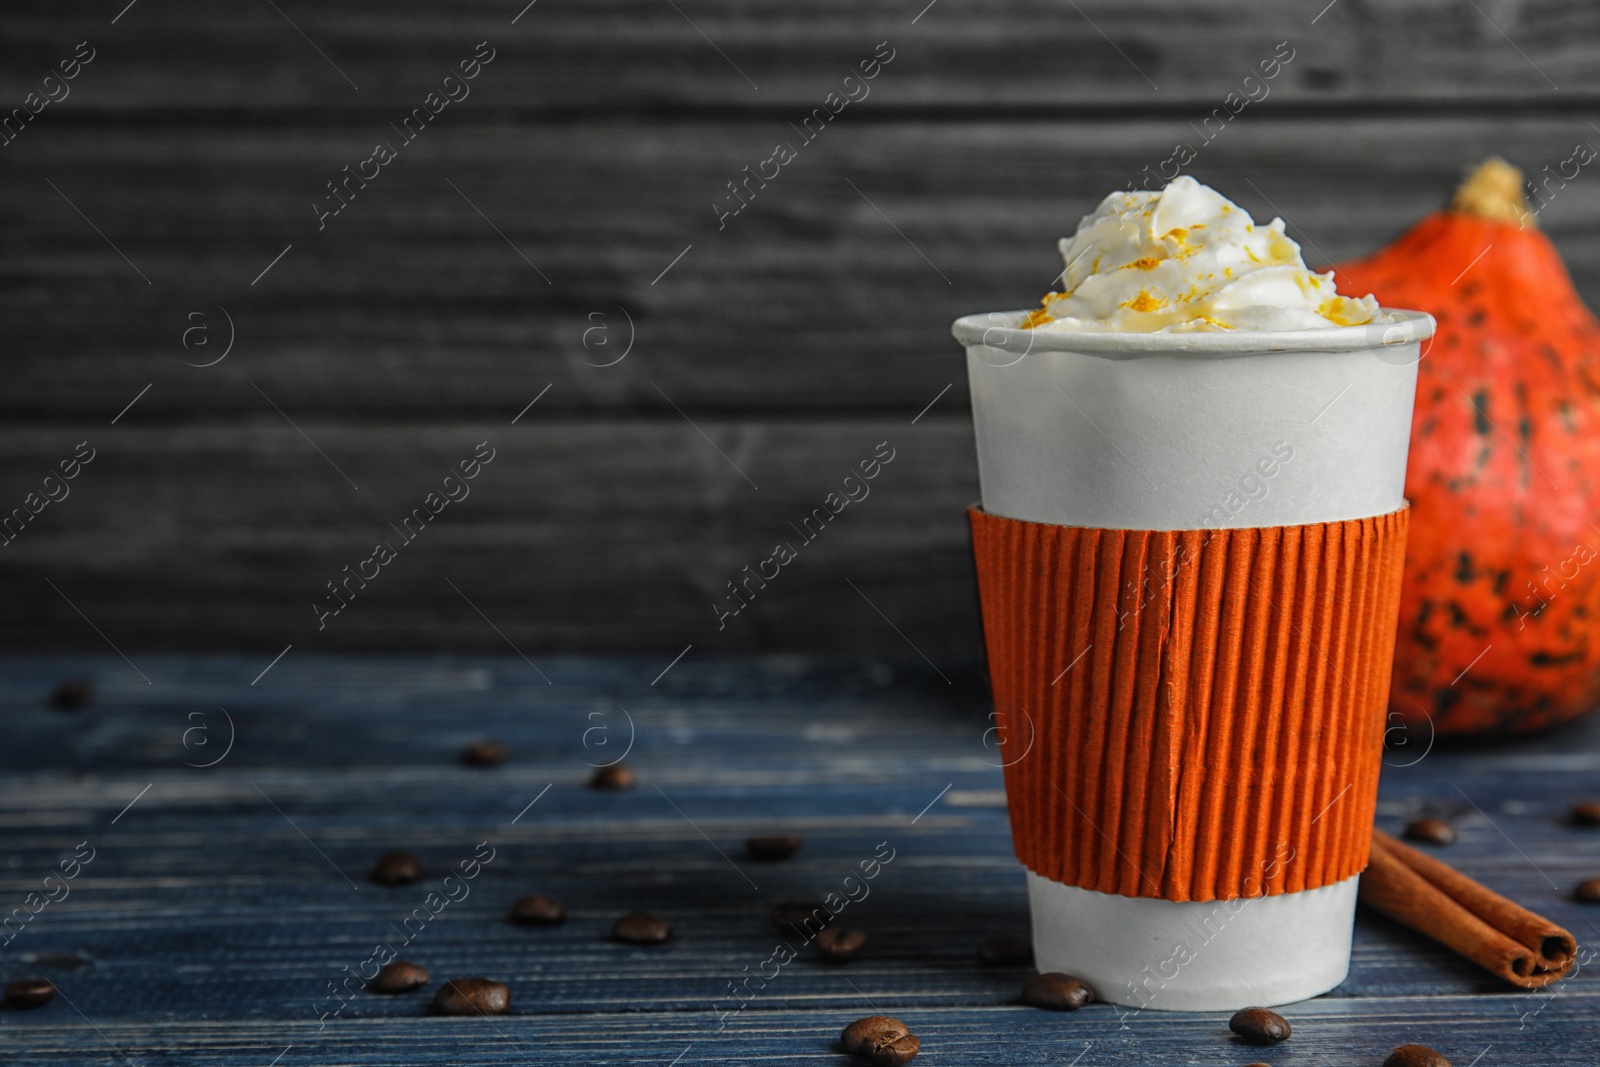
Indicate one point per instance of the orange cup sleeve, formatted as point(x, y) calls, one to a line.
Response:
point(1195, 714)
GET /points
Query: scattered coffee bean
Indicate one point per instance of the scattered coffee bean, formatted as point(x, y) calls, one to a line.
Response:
point(1415, 1056)
point(396, 868)
point(802, 917)
point(1588, 892)
point(894, 1053)
point(401, 976)
point(74, 694)
point(773, 847)
point(1431, 831)
point(856, 1036)
point(880, 1040)
point(537, 911)
point(1056, 992)
point(1587, 813)
point(837, 944)
point(29, 993)
point(641, 928)
point(617, 778)
point(484, 754)
point(1007, 950)
point(1260, 1026)
point(472, 996)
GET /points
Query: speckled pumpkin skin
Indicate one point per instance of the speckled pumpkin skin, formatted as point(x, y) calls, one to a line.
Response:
point(1502, 581)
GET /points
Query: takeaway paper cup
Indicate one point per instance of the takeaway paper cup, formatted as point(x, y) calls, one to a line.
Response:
point(1189, 553)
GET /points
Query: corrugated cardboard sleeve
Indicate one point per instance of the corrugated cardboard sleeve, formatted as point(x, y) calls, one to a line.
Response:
point(1192, 714)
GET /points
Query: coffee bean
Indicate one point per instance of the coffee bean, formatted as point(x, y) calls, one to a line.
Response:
point(1056, 992)
point(484, 754)
point(1588, 892)
point(1587, 813)
point(472, 996)
point(865, 1030)
point(894, 1053)
point(1007, 950)
point(838, 944)
point(74, 694)
point(774, 847)
point(1260, 1026)
point(802, 917)
point(641, 928)
point(396, 868)
point(880, 1040)
point(29, 993)
point(1431, 831)
point(401, 976)
point(537, 911)
point(1415, 1056)
point(617, 778)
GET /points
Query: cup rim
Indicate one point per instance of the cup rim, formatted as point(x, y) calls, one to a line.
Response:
point(997, 330)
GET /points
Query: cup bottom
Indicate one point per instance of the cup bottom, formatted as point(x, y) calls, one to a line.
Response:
point(1217, 955)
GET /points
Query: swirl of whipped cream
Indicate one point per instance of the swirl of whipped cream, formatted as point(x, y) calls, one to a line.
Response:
point(1187, 258)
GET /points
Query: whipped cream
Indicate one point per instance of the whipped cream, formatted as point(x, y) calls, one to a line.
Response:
point(1187, 258)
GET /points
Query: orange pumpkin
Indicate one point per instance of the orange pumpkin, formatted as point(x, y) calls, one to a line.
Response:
point(1502, 582)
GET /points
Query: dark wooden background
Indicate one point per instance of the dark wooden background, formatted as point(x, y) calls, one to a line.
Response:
point(810, 329)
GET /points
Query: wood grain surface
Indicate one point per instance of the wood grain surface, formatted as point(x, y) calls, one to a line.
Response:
point(718, 53)
point(627, 528)
point(557, 228)
point(217, 908)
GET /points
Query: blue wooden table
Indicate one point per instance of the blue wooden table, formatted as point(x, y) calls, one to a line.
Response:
point(223, 903)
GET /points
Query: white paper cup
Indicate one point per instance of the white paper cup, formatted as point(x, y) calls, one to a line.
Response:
point(1170, 432)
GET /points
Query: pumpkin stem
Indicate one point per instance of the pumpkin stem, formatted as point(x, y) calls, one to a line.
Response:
point(1493, 191)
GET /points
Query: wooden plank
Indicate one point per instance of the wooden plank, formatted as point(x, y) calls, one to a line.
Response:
point(994, 1035)
point(207, 927)
point(579, 535)
point(715, 53)
point(410, 302)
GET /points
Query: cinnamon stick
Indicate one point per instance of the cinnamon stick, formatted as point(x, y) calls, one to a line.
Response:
point(1504, 938)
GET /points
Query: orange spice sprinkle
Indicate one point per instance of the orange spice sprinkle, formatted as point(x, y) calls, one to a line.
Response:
point(1145, 302)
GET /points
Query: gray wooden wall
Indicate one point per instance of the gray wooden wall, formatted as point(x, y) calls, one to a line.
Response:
point(537, 218)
